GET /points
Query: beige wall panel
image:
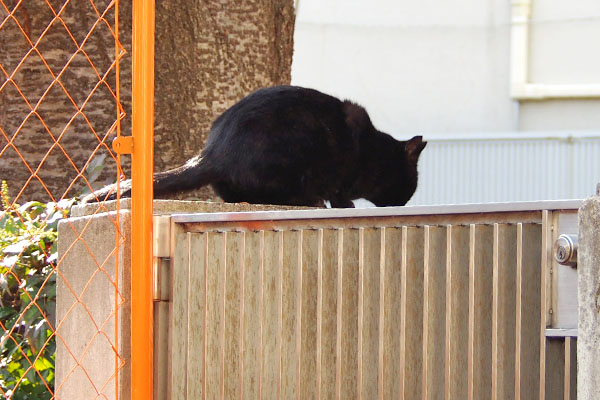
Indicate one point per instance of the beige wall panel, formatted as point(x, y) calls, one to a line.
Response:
point(184, 243)
point(215, 323)
point(271, 315)
point(555, 369)
point(392, 297)
point(251, 317)
point(290, 286)
point(233, 317)
point(349, 316)
point(329, 304)
point(434, 312)
point(457, 311)
point(504, 324)
point(411, 339)
point(529, 276)
point(308, 305)
point(480, 311)
point(370, 287)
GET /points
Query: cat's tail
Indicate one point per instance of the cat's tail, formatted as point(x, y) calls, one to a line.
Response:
point(192, 175)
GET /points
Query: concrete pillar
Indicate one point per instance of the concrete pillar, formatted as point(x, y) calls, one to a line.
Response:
point(85, 304)
point(588, 341)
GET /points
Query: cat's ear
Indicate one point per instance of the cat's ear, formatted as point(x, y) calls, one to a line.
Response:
point(414, 147)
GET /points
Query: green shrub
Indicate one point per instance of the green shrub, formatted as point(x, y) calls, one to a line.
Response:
point(28, 296)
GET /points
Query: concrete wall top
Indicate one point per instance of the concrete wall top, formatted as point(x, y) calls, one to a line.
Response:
point(163, 207)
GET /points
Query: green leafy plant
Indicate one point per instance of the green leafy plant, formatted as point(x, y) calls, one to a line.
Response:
point(28, 256)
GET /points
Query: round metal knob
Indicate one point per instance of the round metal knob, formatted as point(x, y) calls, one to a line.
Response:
point(565, 250)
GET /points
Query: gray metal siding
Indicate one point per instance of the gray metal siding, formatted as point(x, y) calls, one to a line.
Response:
point(513, 167)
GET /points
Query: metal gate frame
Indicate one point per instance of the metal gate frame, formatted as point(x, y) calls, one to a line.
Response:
point(176, 358)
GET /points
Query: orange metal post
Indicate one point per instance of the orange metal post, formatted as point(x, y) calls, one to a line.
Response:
point(141, 198)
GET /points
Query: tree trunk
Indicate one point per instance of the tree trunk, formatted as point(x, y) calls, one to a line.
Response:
point(57, 106)
point(57, 101)
point(210, 54)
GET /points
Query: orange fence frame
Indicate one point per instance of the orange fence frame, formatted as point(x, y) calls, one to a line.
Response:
point(141, 199)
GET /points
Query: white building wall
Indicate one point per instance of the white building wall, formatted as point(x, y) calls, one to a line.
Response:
point(442, 69)
point(416, 66)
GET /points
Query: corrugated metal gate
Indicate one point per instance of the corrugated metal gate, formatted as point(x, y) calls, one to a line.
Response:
point(416, 302)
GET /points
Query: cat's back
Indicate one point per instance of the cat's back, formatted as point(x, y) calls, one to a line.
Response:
point(280, 113)
point(274, 100)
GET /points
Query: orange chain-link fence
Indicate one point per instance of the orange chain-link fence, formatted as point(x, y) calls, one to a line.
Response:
point(60, 108)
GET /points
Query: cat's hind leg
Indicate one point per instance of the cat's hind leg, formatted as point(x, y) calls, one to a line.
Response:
point(341, 203)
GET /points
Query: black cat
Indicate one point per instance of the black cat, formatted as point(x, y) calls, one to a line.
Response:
point(295, 146)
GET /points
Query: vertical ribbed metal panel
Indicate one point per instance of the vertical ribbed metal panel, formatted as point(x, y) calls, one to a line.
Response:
point(511, 168)
point(373, 311)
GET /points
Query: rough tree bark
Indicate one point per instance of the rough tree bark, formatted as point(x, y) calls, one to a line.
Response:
point(56, 105)
point(209, 54)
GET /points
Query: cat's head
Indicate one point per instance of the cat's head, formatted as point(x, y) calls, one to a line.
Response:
point(401, 178)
